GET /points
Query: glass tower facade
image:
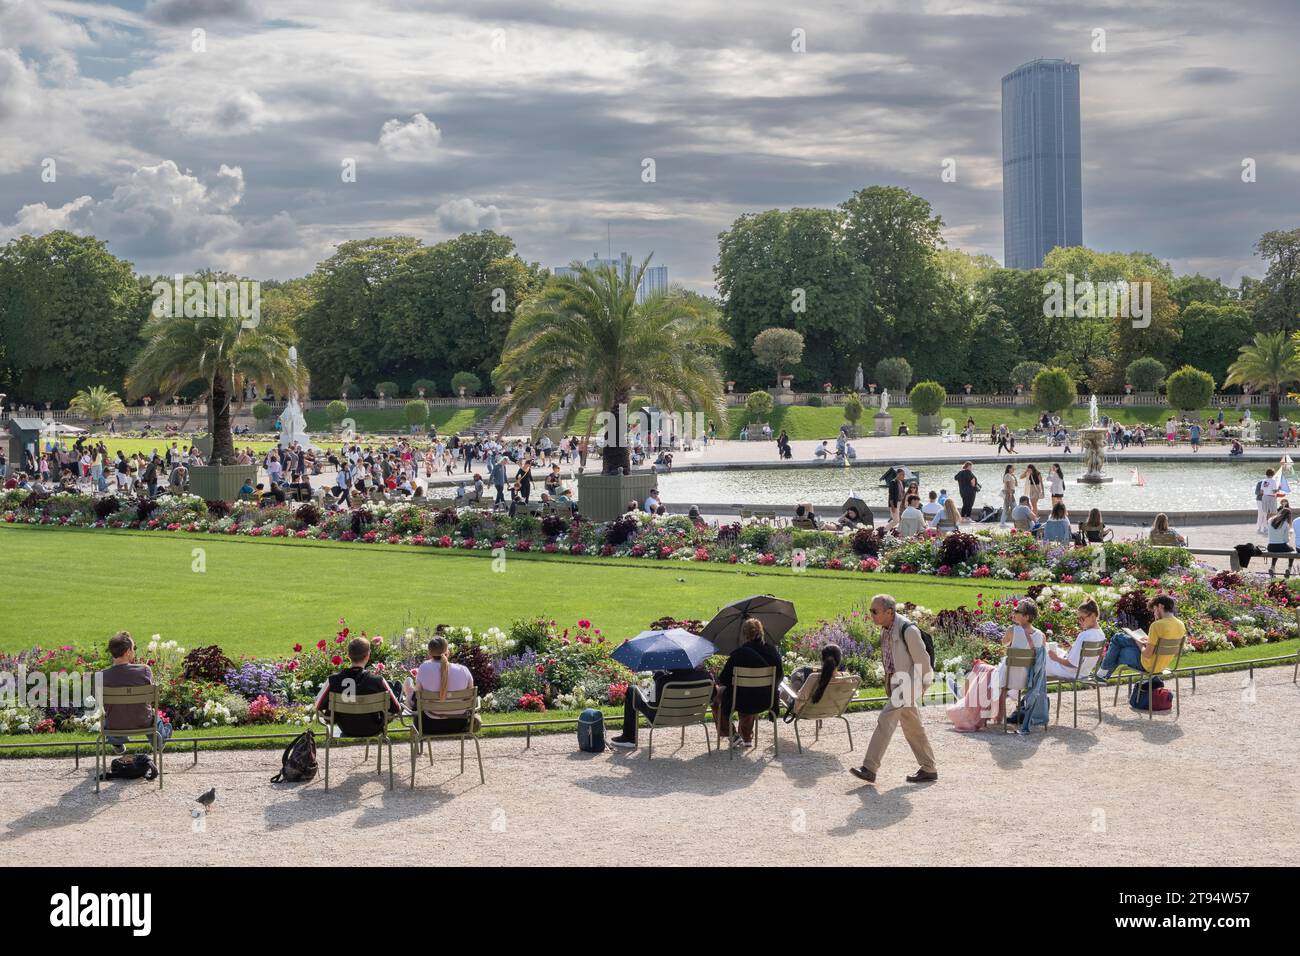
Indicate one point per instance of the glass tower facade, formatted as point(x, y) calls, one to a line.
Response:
point(653, 280)
point(1042, 191)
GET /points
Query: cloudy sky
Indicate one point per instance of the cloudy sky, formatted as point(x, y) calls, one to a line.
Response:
point(213, 133)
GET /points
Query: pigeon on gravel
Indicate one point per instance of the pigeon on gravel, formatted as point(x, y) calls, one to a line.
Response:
point(207, 799)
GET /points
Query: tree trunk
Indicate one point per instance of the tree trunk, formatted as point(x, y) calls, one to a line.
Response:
point(223, 442)
point(616, 456)
point(1274, 405)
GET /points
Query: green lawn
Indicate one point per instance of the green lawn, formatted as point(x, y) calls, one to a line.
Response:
point(804, 422)
point(262, 596)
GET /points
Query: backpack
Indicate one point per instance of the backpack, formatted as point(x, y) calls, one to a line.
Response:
point(926, 639)
point(1162, 700)
point(298, 762)
point(130, 768)
point(591, 731)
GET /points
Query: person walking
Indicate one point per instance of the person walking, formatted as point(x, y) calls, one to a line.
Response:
point(967, 486)
point(907, 674)
point(498, 474)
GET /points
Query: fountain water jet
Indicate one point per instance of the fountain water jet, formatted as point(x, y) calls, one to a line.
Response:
point(1093, 440)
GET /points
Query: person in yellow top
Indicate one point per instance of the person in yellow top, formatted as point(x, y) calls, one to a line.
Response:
point(1140, 653)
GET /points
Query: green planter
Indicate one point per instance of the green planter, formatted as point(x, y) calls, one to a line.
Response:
point(220, 482)
point(605, 497)
point(927, 424)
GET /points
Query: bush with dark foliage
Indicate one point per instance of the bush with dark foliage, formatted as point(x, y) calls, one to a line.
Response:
point(106, 507)
point(866, 542)
point(958, 548)
point(207, 664)
point(619, 530)
point(217, 508)
point(481, 665)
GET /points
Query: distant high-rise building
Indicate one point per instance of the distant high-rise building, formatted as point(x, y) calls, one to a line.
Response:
point(654, 279)
point(1042, 190)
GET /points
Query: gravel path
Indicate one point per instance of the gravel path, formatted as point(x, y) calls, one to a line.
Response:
point(1220, 786)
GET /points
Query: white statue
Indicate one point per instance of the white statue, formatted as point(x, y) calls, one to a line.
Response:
point(293, 426)
point(884, 400)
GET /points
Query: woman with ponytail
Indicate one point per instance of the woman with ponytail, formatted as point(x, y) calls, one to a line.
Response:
point(810, 683)
point(438, 674)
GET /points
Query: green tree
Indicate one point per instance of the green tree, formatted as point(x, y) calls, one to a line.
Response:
point(222, 355)
point(417, 412)
point(852, 409)
point(336, 411)
point(778, 349)
point(759, 405)
point(1212, 335)
point(386, 390)
point(927, 397)
point(71, 315)
point(1269, 364)
point(894, 373)
point(587, 336)
point(429, 385)
point(97, 403)
point(1053, 390)
point(342, 332)
point(1189, 389)
point(1277, 301)
point(1025, 372)
point(468, 381)
point(1184, 290)
point(1146, 374)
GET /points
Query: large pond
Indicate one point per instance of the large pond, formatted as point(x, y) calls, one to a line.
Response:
point(1168, 486)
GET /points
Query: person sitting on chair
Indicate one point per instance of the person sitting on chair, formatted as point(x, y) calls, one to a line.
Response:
point(125, 672)
point(808, 684)
point(439, 675)
point(356, 681)
point(750, 702)
point(636, 702)
point(1137, 653)
point(912, 521)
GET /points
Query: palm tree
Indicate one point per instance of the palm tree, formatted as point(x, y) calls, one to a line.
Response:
point(585, 335)
point(1269, 363)
point(97, 403)
point(219, 352)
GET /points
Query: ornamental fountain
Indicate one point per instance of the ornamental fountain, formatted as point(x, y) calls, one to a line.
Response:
point(1093, 440)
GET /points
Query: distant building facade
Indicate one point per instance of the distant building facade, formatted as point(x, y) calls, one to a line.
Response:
point(655, 278)
point(1042, 189)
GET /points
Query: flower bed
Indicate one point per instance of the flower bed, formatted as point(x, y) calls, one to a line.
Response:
point(985, 553)
point(540, 665)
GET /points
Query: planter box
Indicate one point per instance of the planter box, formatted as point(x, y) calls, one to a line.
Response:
point(220, 482)
point(853, 430)
point(927, 424)
point(884, 423)
point(605, 497)
point(1270, 432)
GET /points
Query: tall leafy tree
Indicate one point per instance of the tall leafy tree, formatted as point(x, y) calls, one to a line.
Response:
point(587, 336)
point(221, 355)
point(70, 315)
point(1277, 301)
point(342, 331)
point(1269, 364)
point(1212, 335)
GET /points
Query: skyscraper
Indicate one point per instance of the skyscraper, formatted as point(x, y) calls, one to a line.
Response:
point(1042, 191)
point(654, 279)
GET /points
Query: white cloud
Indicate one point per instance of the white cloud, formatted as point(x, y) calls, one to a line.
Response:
point(465, 215)
point(410, 142)
point(233, 113)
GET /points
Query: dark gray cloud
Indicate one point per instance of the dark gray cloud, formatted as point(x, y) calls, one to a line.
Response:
point(546, 137)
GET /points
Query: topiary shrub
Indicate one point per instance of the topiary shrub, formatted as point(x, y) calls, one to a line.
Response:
point(759, 405)
point(417, 412)
point(1146, 374)
point(429, 385)
point(206, 664)
point(261, 411)
point(336, 411)
point(386, 390)
point(469, 381)
point(1053, 389)
point(894, 373)
point(927, 397)
point(852, 409)
point(1189, 389)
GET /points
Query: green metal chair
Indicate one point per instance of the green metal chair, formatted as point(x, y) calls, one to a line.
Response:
point(1165, 647)
point(1088, 658)
point(1019, 661)
point(360, 705)
point(682, 705)
point(459, 703)
point(833, 705)
point(755, 677)
point(146, 694)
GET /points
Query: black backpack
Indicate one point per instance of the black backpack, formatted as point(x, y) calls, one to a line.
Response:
point(298, 762)
point(130, 768)
point(591, 731)
point(926, 639)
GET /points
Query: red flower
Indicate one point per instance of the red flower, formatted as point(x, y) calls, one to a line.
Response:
point(297, 648)
point(320, 645)
point(336, 660)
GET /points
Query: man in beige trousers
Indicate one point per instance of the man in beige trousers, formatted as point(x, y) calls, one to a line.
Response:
point(907, 674)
